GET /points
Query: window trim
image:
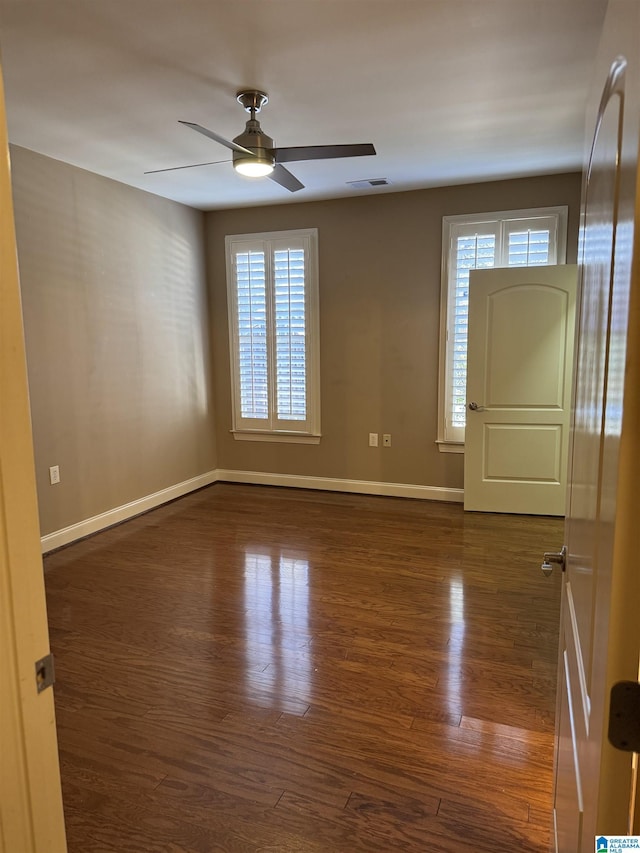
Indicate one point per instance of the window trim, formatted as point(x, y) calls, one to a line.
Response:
point(499, 221)
point(310, 433)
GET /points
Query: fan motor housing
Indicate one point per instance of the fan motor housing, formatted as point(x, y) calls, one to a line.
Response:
point(256, 141)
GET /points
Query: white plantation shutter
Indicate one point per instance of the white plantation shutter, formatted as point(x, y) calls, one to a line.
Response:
point(528, 248)
point(530, 242)
point(291, 356)
point(473, 251)
point(516, 238)
point(251, 307)
point(273, 322)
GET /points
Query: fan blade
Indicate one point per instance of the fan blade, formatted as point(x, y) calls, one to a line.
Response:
point(190, 166)
point(206, 132)
point(322, 152)
point(284, 177)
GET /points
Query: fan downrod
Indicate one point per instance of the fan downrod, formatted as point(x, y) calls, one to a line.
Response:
point(252, 100)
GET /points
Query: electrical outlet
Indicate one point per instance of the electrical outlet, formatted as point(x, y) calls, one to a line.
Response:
point(386, 439)
point(373, 439)
point(54, 474)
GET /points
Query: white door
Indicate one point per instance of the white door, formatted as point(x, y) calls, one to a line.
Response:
point(31, 818)
point(600, 622)
point(519, 374)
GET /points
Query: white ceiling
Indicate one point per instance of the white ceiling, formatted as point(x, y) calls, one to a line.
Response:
point(448, 91)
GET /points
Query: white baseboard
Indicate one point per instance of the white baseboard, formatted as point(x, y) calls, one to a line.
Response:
point(121, 513)
point(332, 484)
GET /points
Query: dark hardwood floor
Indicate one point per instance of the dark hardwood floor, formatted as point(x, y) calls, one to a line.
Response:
point(261, 669)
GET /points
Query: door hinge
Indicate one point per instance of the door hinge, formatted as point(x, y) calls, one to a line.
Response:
point(45, 673)
point(624, 716)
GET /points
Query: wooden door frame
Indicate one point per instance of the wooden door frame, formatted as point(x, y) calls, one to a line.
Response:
point(31, 815)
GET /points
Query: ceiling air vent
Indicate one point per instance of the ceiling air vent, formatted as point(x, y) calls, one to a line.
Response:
point(370, 182)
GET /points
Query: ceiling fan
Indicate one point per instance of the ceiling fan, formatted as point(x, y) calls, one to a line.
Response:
point(254, 153)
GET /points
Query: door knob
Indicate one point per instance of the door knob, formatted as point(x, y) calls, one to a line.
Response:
point(551, 557)
point(476, 408)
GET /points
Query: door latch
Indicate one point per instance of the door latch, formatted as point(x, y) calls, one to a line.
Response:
point(551, 557)
point(624, 716)
point(45, 673)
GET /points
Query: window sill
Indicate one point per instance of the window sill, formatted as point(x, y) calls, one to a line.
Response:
point(282, 437)
point(450, 446)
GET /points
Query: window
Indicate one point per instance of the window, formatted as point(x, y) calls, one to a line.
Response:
point(512, 238)
point(272, 291)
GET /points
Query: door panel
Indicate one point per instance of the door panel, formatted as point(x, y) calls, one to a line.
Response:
point(600, 633)
point(518, 322)
point(520, 452)
point(587, 567)
point(583, 518)
point(520, 351)
point(568, 794)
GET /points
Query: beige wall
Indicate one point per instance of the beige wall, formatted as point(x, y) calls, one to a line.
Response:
point(115, 311)
point(379, 259)
point(116, 322)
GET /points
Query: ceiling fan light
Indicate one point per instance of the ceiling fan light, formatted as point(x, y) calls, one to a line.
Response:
point(253, 167)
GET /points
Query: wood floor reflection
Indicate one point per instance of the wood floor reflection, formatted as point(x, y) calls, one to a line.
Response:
point(261, 669)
